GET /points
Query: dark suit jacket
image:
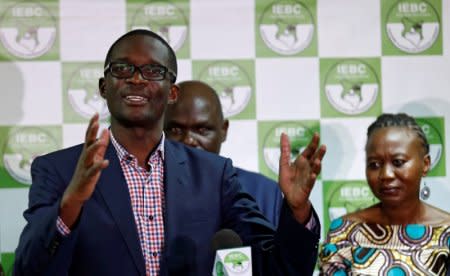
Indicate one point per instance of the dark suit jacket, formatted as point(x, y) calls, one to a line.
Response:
point(202, 196)
point(265, 191)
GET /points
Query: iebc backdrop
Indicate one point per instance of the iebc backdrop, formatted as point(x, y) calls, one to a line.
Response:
point(278, 66)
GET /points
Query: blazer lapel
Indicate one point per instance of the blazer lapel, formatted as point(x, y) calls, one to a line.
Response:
point(114, 190)
point(175, 176)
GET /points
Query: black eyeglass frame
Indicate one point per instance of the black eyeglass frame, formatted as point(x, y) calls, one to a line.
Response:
point(172, 79)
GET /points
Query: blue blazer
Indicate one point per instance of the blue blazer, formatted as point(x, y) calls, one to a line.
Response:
point(265, 191)
point(202, 196)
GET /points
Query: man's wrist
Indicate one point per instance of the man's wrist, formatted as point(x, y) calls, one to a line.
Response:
point(302, 213)
point(69, 210)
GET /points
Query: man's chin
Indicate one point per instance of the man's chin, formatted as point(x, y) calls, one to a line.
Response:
point(138, 120)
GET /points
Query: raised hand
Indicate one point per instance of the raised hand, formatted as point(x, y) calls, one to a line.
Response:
point(90, 164)
point(297, 178)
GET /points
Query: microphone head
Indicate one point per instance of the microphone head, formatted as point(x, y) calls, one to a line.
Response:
point(224, 239)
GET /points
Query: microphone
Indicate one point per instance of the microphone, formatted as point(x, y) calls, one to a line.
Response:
point(231, 257)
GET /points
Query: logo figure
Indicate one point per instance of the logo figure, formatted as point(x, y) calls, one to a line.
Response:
point(226, 94)
point(28, 33)
point(237, 261)
point(413, 26)
point(165, 19)
point(351, 86)
point(351, 89)
point(232, 84)
point(28, 30)
point(83, 93)
point(287, 27)
point(22, 147)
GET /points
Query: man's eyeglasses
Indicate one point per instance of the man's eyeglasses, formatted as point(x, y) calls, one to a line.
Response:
point(152, 72)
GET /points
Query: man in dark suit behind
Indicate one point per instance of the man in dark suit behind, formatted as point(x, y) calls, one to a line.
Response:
point(196, 119)
point(131, 202)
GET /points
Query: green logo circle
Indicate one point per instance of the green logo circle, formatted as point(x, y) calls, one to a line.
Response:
point(413, 26)
point(231, 82)
point(83, 92)
point(434, 140)
point(237, 262)
point(348, 197)
point(28, 30)
point(351, 86)
point(299, 136)
point(287, 27)
point(22, 146)
point(164, 18)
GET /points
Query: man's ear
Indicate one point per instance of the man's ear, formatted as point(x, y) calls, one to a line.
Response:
point(225, 126)
point(426, 165)
point(101, 87)
point(173, 93)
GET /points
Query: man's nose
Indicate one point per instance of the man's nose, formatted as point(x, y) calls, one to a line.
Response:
point(137, 76)
point(189, 139)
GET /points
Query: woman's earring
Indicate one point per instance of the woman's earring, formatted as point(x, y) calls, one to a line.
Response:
point(425, 192)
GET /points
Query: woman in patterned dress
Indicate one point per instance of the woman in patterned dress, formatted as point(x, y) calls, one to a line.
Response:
point(400, 235)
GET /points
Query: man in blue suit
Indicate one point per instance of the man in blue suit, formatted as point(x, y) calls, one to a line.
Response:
point(196, 119)
point(131, 202)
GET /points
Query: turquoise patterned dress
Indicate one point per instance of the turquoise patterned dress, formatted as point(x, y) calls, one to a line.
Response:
point(355, 248)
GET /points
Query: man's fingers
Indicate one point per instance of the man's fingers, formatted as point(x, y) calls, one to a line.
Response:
point(285, 149)
point(316, 167)
point(91, 132)
point(312, 147)
point(96, 168)
point(103, 141)
point(319, 154)
point(316, 161)
point(96, 151)
point(92, 120)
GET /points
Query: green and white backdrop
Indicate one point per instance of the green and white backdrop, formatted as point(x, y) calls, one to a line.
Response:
point(294, 66)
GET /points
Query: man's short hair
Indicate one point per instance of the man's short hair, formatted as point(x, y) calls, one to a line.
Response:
point(172, 57)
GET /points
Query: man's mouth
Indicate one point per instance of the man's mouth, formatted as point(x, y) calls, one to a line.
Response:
point(132, 99)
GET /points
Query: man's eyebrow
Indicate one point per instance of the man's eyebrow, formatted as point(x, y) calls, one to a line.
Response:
point(174, 123)
point(119, 58)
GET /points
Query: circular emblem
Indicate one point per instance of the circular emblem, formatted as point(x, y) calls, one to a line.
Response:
point(413, 25)
point(83, 93)
point(165, 19)
point(22, 146)
point(286, 27)
point(351, 86)
point(28, 30)
point(232, 83)
point(299, 136)
point(434, 140)
point(237, 262)
point(348, 197)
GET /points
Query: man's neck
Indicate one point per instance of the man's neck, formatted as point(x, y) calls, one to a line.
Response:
point(139, 142)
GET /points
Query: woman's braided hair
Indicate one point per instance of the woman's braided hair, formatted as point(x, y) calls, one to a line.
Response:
point(399, 120)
